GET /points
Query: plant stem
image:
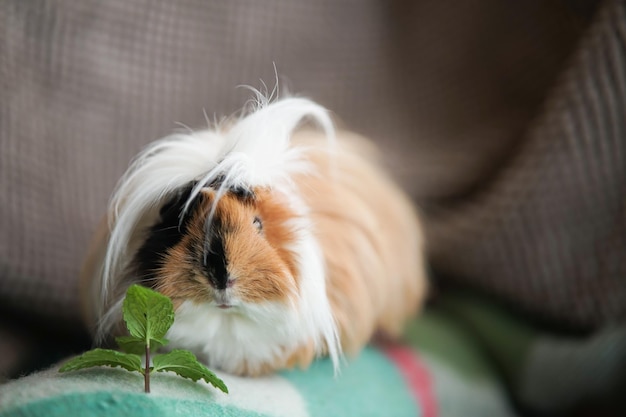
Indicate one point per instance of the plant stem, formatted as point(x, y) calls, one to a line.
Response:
point(146, 374)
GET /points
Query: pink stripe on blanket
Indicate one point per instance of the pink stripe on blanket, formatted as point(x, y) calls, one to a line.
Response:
point(417, 376)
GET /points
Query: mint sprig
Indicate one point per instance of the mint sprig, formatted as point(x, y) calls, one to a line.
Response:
point(148, 316)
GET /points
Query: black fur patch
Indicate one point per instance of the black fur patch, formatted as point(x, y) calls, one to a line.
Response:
point(164, 234)
point(215, 261)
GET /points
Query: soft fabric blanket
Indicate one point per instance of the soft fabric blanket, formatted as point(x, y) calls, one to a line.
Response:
point(439, 371)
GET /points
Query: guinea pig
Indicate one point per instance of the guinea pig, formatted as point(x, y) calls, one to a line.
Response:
point(276, 243)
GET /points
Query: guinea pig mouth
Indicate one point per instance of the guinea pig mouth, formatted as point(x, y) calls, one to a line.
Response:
point(222, 300)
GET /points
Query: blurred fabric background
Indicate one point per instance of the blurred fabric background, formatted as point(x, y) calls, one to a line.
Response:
point(503, 120)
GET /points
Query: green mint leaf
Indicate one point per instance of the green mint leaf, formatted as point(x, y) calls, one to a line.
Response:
point(185, 364)
point(148, 314)
point(103, 357)
point(132, 344)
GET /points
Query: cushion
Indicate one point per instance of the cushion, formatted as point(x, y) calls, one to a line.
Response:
point(547, 235)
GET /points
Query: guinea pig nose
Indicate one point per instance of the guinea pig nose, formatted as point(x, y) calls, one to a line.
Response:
point(230, 282)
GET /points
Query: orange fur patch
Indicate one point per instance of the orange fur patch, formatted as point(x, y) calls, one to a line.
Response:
point(370, 237)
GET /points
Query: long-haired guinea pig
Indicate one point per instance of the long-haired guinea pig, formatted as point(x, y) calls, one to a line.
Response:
point(275, 244)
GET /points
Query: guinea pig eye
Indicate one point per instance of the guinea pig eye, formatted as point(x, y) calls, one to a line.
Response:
point(257, 224)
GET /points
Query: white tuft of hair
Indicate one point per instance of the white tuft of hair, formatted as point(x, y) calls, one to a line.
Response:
point(251, 151)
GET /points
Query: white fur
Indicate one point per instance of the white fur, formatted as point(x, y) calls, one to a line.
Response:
point(254, 151)
point(225, 339)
